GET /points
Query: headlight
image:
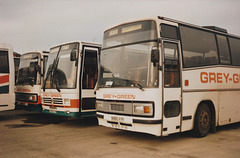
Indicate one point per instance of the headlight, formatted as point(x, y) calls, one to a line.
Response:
point(99, 106)
point(33, 98)
point(66, 101)
point(143, 109)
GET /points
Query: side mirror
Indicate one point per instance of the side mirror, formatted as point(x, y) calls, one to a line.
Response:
point(38, 68)
point(73, 55)
point(155, 56)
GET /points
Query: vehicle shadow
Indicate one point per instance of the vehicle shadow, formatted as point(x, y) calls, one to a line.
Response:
point(11, 115)
point(172, 137)
point(46, 119)
point(35, 119)
point(229, 127)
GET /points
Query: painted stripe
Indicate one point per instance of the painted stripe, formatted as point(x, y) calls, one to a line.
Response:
point(74, 103)
point(3, 105)
point(147, 121)
point(38, 102)
point(4, 89)
point(187, 117)
point(210, 90)
point(4, 79)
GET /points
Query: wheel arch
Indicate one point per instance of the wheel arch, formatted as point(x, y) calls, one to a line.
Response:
point(212, 111)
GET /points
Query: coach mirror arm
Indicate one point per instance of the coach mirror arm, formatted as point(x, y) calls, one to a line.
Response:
point(155, 58)
point(73, 55)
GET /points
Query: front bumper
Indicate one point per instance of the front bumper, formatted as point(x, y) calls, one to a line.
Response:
point(129, 123)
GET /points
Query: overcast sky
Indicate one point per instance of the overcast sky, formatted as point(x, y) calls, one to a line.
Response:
point(40, 24)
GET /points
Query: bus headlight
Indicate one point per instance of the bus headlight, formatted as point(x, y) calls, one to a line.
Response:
point(66, 101)
point(143, 109)
point(99, 106)
point(33, 98)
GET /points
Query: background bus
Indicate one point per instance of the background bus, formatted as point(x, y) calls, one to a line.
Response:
point(7, 96)
point(30, 79)
point(70, 80)
point(162, 76)
point(16, 63)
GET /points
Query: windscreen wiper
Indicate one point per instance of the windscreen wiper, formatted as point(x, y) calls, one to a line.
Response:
point(136, 84)
point(29, 80)
point(55, 81)
point(47, 75)
point(50, 72)
point(52, 78)
point(25, 79)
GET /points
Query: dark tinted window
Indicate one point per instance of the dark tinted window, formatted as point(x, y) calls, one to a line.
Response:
point(169, 31)
point(4, 68)
point(172, 109)
point(171, 65)
point(90, 70)
point(235, 50)
point(199, 47)
point(223, 49)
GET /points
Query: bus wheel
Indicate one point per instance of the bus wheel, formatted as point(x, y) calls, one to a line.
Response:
point(202, 121)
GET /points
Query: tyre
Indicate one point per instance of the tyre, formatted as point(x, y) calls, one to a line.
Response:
point(202, 121)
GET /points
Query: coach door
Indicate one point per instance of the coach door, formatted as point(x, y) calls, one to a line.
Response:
point(172, 88)
point(89, 79)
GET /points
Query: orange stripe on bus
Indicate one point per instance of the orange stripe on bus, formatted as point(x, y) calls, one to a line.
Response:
point(74, 103)
point(4, 79)
point(39, 101)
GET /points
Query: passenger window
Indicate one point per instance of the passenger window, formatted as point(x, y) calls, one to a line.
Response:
point(171, 65)
point(90, 70)
point(4, 68)
point(169, 31)
point(223, 48)
point(199, 47)
point(235, 47)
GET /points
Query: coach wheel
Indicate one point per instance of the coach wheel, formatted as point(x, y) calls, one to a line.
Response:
point(202, 121)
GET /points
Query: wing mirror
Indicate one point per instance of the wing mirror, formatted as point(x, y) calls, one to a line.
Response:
point(38, 68)
point(73, 55)
point(155, 56)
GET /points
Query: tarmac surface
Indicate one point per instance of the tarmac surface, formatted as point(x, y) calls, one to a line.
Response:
point(30, 134)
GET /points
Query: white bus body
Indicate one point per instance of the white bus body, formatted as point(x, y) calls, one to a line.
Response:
point(70, 80)
point(30, 79)
point(7, 76)
point(161, 76)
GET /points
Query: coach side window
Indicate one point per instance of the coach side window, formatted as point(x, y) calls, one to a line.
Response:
point(199, 47)
point(235, 51)
point(168, 31)
point(4, 68)
point(223, 49)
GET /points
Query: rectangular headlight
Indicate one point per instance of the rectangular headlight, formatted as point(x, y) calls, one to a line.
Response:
point(66, 101)
point(99, 105)
point(143, 109)
point(33, 98)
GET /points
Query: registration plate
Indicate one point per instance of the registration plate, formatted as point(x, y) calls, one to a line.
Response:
point(117, 123)
point(21, 103)
point(119, 126)
point(53, 110)
point(114, 118)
